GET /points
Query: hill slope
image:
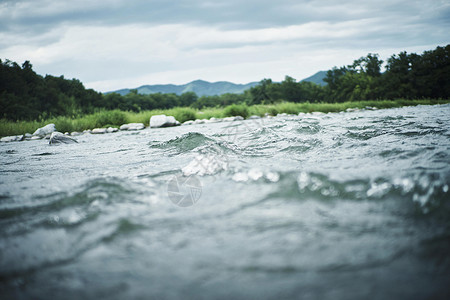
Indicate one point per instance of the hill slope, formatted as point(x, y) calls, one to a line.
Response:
point(200, 87)
point(317, 78)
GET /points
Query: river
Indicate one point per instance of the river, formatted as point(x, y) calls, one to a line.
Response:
point(320, 206)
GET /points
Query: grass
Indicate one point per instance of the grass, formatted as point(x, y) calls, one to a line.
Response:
point(116, 118)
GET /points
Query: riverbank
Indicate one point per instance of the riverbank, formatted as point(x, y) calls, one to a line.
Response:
point(115, 118)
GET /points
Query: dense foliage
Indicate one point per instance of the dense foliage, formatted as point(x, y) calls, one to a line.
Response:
point(25, 95)
point(407, 76)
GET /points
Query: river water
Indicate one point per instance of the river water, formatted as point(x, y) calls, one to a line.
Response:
point(336, 206)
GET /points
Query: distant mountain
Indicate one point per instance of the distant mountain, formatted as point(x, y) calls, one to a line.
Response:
point(317, 78)
point(205, 88)
point(200, 87)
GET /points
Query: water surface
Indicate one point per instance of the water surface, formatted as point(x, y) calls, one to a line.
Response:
point(336, 206)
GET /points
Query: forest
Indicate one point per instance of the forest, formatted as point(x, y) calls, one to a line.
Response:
point(25, 95)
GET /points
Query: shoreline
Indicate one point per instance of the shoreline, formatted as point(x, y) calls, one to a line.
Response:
point(116, 118)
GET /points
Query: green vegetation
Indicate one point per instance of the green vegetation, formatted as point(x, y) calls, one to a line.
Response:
point(29, 100)
point(236, 110)
point(115, 118)
point(27, 96)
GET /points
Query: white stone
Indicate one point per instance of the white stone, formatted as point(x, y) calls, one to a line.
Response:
point(163, 121)
point(111, 129)
point(189, 122)
point(132, 126)
point(47, 129)
point(228, 119)
point(98, 130)
point(254, 117)
point(59, 138)
point(199, 121)
point(13, 138)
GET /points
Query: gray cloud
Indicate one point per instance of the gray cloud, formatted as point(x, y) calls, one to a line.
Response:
point(125, 40)
point(229, 14)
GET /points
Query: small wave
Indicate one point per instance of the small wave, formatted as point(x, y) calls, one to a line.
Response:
point(71, 208)
point(309, 128)
point(428, 192)
point(10, 152)
point(43, 154)
point(194, 141)
point(124, 227)
point(364, 135)
point(186, 142)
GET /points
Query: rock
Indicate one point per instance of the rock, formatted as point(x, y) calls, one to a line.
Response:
point(238, 118)
point(371, 108)
point(13, 138)
point(46, 130)
point(35, 137)
point(87, 131)
point(112, 129)
point(59, 138)
point(317, 113)
point(215, 120)
point(132, 126)
point(282, 115)
point(301, 114)
point(28, 136)
point(163, 121)
point(189, 122)
point(199, 121)
point(254, 117)
point(75, 133)
point(98, 130)
point(352, 109)
point(228, 119)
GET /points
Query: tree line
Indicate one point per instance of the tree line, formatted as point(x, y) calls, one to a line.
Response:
point(25, 95)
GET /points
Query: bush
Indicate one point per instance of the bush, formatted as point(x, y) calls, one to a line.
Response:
point(115, 117)
point(63, 124)
point(288, 107)
point(184, 114)
point(236, 110)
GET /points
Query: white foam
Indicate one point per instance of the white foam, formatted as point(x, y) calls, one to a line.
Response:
point(205, 165)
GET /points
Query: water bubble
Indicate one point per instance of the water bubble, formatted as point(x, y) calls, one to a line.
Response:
point(405, 185)
point(272, 176)
point(303, 180)
point(255, 174)
point(205, 165)
point(378, 190)
point(240, 177)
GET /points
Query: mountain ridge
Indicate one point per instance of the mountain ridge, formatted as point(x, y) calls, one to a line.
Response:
point(206, 88)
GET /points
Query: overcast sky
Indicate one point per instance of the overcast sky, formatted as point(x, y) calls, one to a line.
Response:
point(113, 44)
